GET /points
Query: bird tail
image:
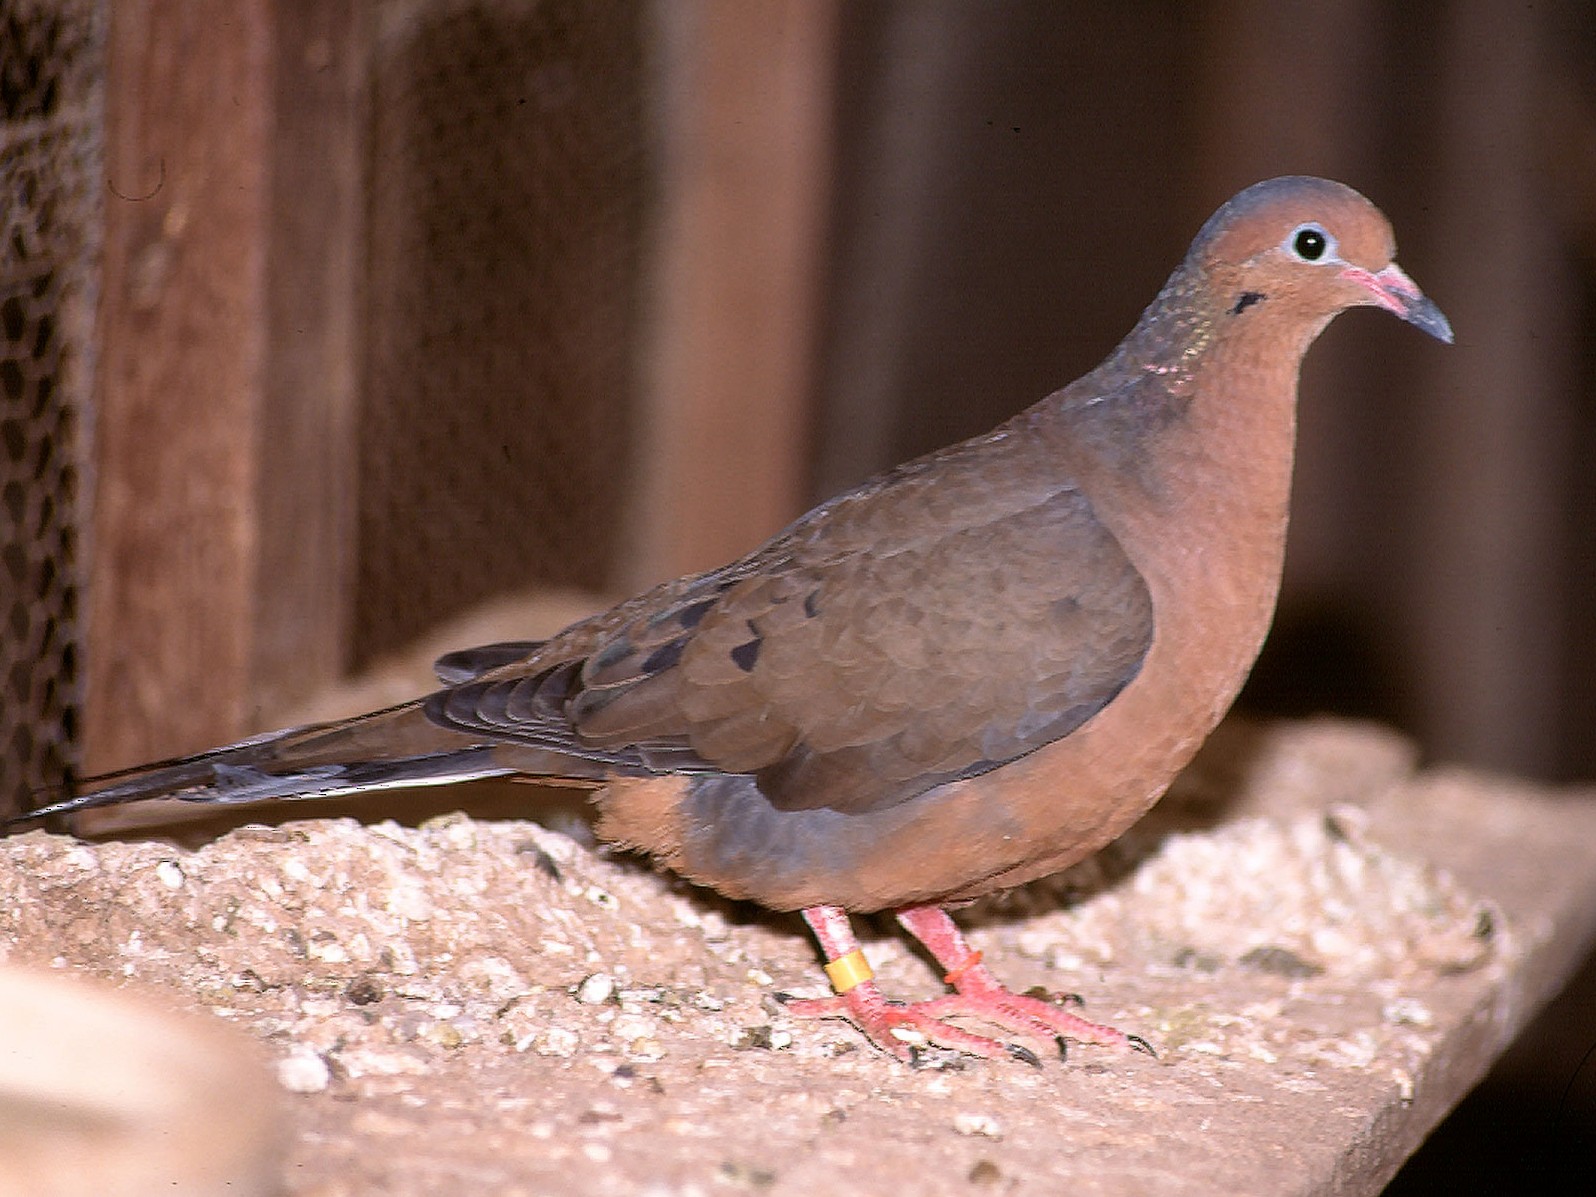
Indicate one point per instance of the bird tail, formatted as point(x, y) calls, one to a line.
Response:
point(398, 747)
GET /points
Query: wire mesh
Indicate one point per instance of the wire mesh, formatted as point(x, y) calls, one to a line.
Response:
point(51, 55)
point(507, 197)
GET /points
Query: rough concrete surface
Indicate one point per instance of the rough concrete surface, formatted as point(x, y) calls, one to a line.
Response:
point(1325, 946)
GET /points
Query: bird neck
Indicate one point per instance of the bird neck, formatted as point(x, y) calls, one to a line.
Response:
point(1201, 421)
point(1184, 440)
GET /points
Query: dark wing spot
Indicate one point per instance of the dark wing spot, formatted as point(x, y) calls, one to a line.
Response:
point(664, 657)
point(1248, 298)
point(812, 604)
point(693, 614)
point(612, 654)
point(744, 655)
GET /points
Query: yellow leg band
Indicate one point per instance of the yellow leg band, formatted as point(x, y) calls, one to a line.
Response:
point(847, 971)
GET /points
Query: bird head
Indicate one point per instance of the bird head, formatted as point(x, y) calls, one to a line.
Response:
point(1301, 250)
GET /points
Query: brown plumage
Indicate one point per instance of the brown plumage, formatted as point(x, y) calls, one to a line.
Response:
point(969, 672)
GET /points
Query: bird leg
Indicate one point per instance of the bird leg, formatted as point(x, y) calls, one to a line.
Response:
point(896, 1026)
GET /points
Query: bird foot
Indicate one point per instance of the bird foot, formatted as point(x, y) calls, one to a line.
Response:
point(904, 1029)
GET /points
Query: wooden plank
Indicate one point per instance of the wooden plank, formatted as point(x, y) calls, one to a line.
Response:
point(746, 111)
point(172, 554)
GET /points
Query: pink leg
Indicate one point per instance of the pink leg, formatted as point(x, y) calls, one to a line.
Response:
point(893, 1026)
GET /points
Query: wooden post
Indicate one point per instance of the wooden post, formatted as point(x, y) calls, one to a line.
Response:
point(218, 530)
point(746, 138)
point(172, 559)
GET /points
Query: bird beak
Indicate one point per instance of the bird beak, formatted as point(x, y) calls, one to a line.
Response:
point(1394, 291)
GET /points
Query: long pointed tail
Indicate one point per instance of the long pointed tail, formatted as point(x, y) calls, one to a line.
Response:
point(387, 749)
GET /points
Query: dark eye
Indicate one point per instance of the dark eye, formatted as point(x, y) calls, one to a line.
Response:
point(1310, 243)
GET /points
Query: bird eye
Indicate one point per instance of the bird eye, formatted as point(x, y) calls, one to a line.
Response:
point(1309, 242)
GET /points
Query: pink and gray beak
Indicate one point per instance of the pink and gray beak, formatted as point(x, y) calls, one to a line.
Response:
point(1394, 291)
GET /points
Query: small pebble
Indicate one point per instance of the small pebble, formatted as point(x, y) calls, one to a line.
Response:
point(985, 1173)
point(751, 1039)
point(1407, 1012)
point(629, 1027)
point(303, 1072)
point(558, 1041)
point(647, 1048)
point(169, 874)
point(596, 989)
point(444, 1034)
point(967, 1123)
point(295, 869)
point(746, 1176)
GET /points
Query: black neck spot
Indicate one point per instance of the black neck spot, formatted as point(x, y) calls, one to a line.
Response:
point(1248, 298)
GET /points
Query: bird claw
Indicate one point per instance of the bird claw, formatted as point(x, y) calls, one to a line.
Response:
point(1053, 998)
point(1024, 1054)
point(1137, 1043)
point(895, 1027)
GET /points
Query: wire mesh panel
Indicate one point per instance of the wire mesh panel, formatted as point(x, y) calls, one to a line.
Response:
point(505, 230)
point(50, 65)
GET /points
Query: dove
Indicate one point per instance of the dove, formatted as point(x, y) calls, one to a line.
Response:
point(967, 673)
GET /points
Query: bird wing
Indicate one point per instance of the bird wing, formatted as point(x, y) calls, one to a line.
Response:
point(928, 626)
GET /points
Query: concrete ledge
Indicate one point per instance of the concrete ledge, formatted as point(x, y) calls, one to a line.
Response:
point(1327, 948)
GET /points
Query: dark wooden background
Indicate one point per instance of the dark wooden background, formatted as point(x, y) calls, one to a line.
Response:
point(840, 235)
